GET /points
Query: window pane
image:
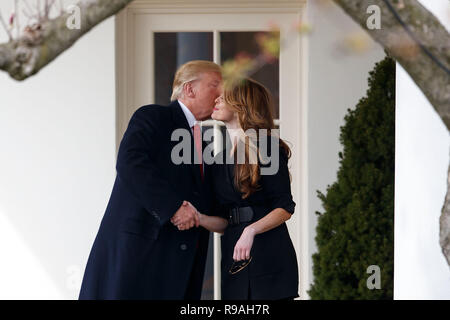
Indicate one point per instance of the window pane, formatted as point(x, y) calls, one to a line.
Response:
point(233, 43)
point(172, 49)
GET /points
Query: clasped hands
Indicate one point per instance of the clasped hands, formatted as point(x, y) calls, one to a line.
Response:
point(186, 217)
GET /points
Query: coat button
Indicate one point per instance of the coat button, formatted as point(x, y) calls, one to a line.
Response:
point(183, 247)
point(154, 214)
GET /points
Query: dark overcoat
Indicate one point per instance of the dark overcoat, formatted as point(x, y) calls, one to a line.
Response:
point(138, 253)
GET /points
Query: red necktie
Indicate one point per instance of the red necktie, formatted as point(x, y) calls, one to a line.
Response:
point(198, 145)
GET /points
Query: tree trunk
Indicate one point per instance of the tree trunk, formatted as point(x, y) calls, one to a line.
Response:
point(432, 78)
point(428, 64)
point(444, 221)
point(35, 49)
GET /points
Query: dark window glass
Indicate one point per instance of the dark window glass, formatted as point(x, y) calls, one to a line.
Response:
point(234, 43)
point(172, 49)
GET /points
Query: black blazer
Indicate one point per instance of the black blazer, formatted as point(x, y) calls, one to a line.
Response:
point(138, 253)
point(273, 271)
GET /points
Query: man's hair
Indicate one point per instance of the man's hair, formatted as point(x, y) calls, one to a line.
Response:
point(191, 71)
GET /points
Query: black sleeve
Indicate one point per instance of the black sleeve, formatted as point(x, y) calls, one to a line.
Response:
point(277, 187)
point(218, 210)
point(136, 167)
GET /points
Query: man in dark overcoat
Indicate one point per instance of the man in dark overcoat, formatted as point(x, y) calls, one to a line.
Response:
point(138, 253)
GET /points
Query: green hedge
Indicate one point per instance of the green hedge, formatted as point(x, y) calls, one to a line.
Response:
point(357, 228)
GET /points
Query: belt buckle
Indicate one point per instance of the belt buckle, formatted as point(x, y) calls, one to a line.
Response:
point(234, 216)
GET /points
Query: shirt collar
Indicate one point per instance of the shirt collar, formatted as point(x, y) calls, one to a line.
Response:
point(188, 114)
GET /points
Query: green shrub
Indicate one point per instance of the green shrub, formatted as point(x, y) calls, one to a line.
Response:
point(357, 228)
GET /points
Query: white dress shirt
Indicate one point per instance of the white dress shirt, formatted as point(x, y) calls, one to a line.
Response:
point(190, 119)
point(188, 114)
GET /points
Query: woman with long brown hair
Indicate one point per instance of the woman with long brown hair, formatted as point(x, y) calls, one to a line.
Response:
point(252, 206)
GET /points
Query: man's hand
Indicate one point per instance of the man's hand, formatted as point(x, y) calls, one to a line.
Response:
point(186, 217)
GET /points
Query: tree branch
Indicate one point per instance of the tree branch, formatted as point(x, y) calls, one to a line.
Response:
point(3, 23)
point(6, 55)
point(36, 48)
point(418, 41)
point(444, 223)
point(432, 79)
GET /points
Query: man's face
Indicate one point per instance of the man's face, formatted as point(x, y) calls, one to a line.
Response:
point(206, 89)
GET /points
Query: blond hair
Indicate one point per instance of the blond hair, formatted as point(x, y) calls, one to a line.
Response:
point(191, 71)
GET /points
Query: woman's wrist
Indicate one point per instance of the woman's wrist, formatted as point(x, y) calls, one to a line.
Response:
point(250, 230)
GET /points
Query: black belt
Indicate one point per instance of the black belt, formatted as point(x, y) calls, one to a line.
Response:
point(240, 215)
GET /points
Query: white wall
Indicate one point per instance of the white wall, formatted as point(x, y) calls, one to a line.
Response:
point(57, 142)
point(337, 80)
point(422, 158)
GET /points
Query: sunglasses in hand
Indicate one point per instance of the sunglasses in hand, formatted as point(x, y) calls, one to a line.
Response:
point(239, 265)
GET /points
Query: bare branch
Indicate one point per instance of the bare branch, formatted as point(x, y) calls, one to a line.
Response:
point(5, 27)
point(16, 18)
point(42, 43)
point(38, 8)
point(52, 4)
point(26, 13)
point(444, 222)
point(46, 9)
point(61, 7)
point(27, 5)
point(6, 55)
point(426, 57)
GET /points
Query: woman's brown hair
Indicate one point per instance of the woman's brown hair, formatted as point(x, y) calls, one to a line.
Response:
point(252, 103)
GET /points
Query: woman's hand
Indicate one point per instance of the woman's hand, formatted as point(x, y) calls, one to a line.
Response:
point(244, 244)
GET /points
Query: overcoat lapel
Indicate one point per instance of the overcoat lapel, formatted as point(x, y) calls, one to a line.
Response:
point(181, 122)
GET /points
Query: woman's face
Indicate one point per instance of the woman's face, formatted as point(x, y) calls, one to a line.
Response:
point(222, 111)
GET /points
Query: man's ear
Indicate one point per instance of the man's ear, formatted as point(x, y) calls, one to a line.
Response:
point(189, 90)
